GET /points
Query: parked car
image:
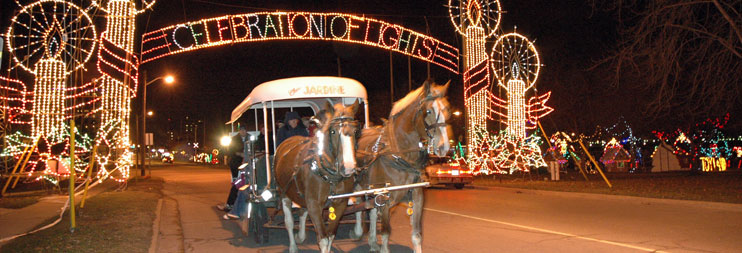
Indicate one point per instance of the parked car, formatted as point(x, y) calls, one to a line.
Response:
point(167, 157)
point(444, 170)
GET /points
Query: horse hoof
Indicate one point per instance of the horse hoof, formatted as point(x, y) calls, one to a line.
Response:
point(299, 240)
point(293, 249)
point(355, 236)
point(375, 248)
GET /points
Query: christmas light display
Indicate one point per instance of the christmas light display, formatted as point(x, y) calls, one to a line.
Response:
point(562, 148)
point(47, 150)
point(515, 65)
point(113, 160)
point(502, 154)
point(615, 157)
point(118, 64)
point(476, 20)
point(263, 26)
point(709, 164)
point(51, 29)
point(50, 39)
point(16, 97)
point(704, 141)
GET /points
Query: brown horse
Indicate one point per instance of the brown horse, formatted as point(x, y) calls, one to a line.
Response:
point(308, 170)
point(396, 154)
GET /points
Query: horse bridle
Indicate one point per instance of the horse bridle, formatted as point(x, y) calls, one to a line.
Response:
point(342, 120)
point(429, 127)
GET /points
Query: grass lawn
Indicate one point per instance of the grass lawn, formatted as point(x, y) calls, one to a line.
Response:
point(110, 222)
point(717, 187)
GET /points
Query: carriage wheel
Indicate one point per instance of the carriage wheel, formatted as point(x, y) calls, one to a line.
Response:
point(245, 226)
point(259, 218)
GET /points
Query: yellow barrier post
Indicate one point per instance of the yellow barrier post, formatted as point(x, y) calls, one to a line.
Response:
point(72, 175)
point(12, 174)
point(582, 171)
point(544, 133)
point(576, 162)
point(28, 157)
point(595, 163)
point(91, 165)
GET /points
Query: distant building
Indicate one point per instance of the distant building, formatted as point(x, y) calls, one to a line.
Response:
point(615, 158)
point(664, 159)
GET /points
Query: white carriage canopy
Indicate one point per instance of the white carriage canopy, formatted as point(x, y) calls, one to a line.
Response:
point(309, 91)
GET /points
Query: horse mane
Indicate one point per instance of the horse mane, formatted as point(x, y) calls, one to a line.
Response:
point(406, 101)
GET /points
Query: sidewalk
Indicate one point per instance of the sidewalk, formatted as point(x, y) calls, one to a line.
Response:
point(19, 221)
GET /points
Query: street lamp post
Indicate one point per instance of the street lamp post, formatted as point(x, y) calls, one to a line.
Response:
point(168, 79)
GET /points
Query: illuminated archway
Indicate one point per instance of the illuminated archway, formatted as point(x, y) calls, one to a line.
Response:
point(109, 95)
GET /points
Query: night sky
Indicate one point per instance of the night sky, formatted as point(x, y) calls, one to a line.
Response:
point(570, 36)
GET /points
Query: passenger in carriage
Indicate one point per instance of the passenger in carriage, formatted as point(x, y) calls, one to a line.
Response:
point(236, 147)
point(260, 144)
point(293, 127)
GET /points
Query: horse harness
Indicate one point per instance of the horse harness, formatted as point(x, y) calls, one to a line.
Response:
point(320, 164)
point(398, 161)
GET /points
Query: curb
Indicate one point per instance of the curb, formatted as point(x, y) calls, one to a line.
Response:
point(707, 204)
point(156, 227)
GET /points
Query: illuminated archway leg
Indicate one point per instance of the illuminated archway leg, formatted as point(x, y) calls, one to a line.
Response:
point(116, 95)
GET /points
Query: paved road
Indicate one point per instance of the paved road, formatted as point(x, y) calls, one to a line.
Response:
point(475, 219)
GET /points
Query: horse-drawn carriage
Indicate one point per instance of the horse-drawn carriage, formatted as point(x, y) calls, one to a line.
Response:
point(319, 173)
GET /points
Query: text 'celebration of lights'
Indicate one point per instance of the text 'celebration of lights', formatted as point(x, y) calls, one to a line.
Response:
point(261, 26)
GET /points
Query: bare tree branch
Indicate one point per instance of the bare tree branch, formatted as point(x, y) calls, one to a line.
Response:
point(733, 24)
point(684, 54)
point(717, 38)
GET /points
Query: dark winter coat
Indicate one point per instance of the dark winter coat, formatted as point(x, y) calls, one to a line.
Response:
point(287, 131)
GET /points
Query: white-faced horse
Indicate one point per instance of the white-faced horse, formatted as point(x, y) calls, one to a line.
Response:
point(308, 170)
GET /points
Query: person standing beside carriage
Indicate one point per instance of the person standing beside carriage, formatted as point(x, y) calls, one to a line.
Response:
point(293, 127)
point(235, 159)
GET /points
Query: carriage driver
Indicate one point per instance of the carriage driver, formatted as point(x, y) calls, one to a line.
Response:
point(293, 127)
point(236, 148)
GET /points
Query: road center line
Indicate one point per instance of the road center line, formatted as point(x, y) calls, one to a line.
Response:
point(547, 231)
